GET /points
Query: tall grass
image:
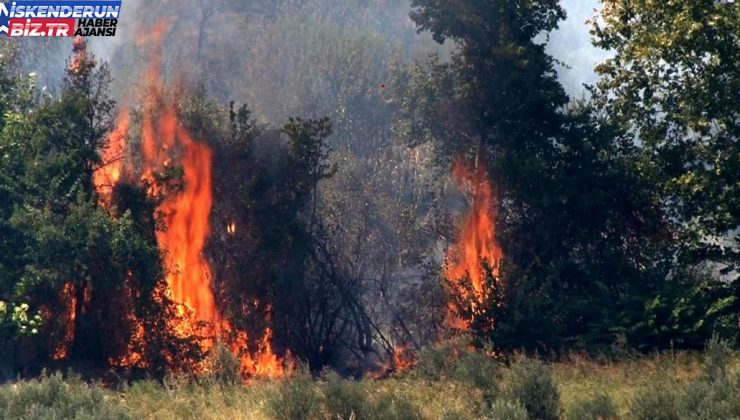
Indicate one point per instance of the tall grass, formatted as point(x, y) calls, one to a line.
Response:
point(449, 382)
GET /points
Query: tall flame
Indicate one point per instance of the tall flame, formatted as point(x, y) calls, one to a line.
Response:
point(109, 173)
point(477, 242)
point(185, 214)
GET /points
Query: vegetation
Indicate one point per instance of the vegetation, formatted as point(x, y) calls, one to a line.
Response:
point(668, 385)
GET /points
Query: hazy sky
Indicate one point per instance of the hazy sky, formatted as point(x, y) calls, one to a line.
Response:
point(571, 44)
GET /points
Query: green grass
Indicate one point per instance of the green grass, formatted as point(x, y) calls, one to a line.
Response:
point(448, 383)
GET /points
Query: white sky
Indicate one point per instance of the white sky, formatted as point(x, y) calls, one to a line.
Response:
point(571, 44)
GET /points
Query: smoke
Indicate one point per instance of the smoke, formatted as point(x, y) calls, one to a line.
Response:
point(285, 57)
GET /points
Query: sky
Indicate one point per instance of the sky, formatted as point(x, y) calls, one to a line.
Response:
point(571, 44)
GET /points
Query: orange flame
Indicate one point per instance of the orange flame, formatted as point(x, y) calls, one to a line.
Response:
point(400, 361)
point(477, 241)
point(68, 295)
point(185, 213)
point(109, 173)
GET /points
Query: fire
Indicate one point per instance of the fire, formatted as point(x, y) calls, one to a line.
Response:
point(185, 213)
point(231, 228)
point(165, 143)
point(68, 295)
point(477, 242)
point(109, 173)
point(400, 361)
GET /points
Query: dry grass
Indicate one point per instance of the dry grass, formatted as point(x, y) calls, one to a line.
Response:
point(581, 377)
point(430, 393)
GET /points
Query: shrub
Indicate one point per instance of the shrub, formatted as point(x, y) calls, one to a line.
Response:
point(597, 407)
point(452, 414)
point(296, 398)
point(717, 357)
point(530, 382)
point(703, 400)
point(223, 366)
point(435, 362)
point(714, 394)
point(507, 410)
point(345, 399)
point(51, 397)
point(454, 360)
point(394, 406)
point(658, 401)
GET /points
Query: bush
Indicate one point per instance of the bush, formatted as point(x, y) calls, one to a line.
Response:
point(395, 406)
point(454, 360)
point(659, 401)
point(717, 358)
point(51, 397)
point(597, 407)
point(296, 398)
point(530, 382)
point(715, 394)
point(507, 410)
point(704, 400)
point(223, 366)
point(345, 399)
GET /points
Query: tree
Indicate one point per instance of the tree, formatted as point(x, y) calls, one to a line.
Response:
point(673, 86)
point(94, 274)
point(587, 245)
point(503, 79)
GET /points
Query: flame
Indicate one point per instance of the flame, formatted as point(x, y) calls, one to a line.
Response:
point(62, 349)
point(477, 241)
point(185, 215)
point(266, 363)
point(400, 361)
point(109, 173)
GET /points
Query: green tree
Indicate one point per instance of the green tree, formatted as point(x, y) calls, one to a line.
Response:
point(587, 246)
point(673, 86)
point(94, 274)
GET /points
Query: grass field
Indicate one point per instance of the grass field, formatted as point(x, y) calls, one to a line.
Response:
point(446, 383)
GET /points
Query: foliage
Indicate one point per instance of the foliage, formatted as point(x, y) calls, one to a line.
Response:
point(507, 410)
point(530, 382)
point(583, 385)
point(658, 402)
point(296, 398)
point(55, 397)
point(91, 271)
point(345, 399)
point(593, 249)
point(594, 407)
point(15, 323)
point(222, 366)
point(617, 217)
point(456, 361)
point(672, 84)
